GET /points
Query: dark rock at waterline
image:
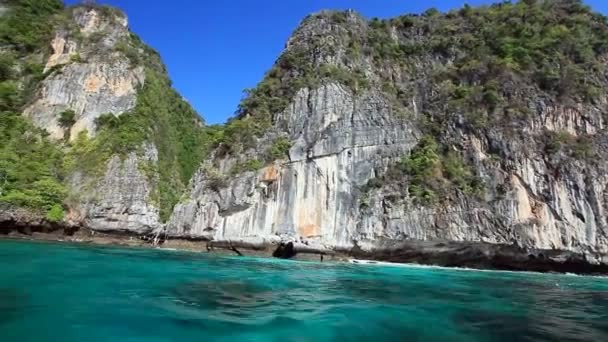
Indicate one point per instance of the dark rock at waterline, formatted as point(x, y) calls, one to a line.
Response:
point(285, 251)
point(441, 253)
point(482, 256)
point(27, 222)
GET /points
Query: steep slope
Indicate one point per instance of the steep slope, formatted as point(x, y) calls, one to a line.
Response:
point(436, 138)
point(475, 137)
point(87, 74)
point(126, 143)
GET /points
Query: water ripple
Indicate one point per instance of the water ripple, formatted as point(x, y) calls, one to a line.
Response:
point(76, 293)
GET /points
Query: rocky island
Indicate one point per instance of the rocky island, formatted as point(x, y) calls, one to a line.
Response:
point(470, 138)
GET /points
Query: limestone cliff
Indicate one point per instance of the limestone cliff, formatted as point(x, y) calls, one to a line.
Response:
point(88, 74)
point(122, 199)
point(106, 102)
point(516, 155)
point(475, 137)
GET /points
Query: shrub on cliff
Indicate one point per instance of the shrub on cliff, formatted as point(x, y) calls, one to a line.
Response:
point(161, 116)
point(31, 167)
point(430, 173)
point(7, 65)
point(67, 118)
point(28, 23)
point(10, 96)
point(247, 165)
point(578, 147)
point(423, 170)
point(55, 214)
point(279, 149)
point(553, 48)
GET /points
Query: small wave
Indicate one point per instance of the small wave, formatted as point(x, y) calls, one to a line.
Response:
point(412, 265)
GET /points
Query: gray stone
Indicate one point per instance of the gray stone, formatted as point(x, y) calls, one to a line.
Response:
point(343, 139)
point(91, 77)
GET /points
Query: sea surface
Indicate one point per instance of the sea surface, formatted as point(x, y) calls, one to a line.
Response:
point(63, 292)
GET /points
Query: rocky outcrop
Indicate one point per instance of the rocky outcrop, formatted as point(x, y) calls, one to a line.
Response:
point(342, 139)
point(124, 200)
point(480, 256)
point(355, 99)
point(87, 73)
point(12, 218)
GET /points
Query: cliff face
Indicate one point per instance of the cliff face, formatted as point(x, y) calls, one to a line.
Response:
point(106, 102)
point(340, 140)
point(417, 138)
point(513, 158)
point(91, 76)
point(122, 199)
point(88, 74)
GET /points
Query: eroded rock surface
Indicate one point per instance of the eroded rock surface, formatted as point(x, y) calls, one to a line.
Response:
point(87, 74)
point(343, 139)
point(125, 199)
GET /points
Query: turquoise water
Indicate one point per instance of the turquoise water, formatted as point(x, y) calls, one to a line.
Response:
point(57, 292)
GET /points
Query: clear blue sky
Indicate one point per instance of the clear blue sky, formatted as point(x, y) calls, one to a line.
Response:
point(216, 48)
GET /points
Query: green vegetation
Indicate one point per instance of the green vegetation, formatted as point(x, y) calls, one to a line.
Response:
point(55, 214)
point(554, 45)
point(27, 25)
point(460, 174)
point(25, 28)
point(10, 96)
point(580, 147)
point(218, 136)
point(353, 79)
point(248, 165)
point(279, 149)
point(31, 168)
point(76, 58)
point(67, 119)
point(241, 134)
point(130, 52)
point(107, 12)
point(7, 66)
point(423, 168)
point(162, 117)
point(430, 174)
point(84, 155)
point(238, 134)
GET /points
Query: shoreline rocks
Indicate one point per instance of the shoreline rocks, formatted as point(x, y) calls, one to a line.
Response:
point(474, 255)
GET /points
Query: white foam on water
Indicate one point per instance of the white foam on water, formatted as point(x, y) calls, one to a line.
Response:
point(410, 265)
